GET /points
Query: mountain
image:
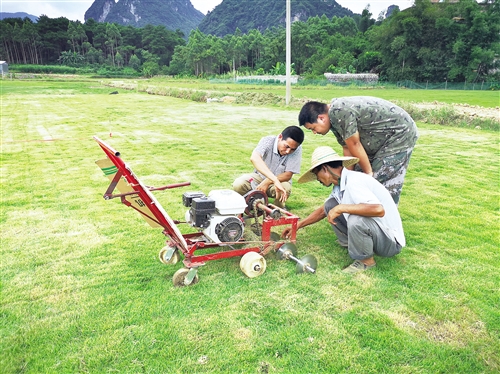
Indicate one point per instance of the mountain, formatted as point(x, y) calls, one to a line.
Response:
point(390, 10)
point(21, 15)
point(263, 14)
point(173, 14)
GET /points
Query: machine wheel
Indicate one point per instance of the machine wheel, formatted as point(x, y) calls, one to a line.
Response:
point(252, 198)
point(173, 260)
point(305, 262)
point(287, 249)
point(180, 276)
point(252, 264)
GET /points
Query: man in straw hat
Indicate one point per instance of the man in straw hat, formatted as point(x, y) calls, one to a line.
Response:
point(379, 133)
point(361, 211)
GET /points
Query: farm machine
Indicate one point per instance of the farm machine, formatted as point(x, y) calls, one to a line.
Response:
point(226, 224)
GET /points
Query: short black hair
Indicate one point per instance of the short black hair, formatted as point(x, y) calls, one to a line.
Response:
point(310, 112)
point(293, 132)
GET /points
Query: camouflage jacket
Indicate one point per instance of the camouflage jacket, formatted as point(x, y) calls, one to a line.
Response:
point(384, 128)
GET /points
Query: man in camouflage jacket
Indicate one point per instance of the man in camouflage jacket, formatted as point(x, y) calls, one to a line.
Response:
point(379, 133)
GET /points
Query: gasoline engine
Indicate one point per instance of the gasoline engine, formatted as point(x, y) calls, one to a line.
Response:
point(217, 215)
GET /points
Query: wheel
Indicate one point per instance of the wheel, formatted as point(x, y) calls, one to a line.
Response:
point(306, 264)
point(252, 264)
point(173, 260)
point(252, 198)
point(287, 249)
point(180, 276)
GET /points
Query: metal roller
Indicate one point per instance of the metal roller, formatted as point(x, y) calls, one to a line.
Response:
point(306, 264)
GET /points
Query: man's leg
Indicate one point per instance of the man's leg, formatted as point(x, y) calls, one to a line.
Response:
point(366, 238)
point(243, 184)
point(340, 227)
point(391, 171)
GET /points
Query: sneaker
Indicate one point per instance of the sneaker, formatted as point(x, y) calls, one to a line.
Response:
point(356, 267)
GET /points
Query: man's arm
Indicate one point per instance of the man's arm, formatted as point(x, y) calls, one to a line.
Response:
point(365, 210)
point(261, 166)
point(312, 218)
point(354, 148)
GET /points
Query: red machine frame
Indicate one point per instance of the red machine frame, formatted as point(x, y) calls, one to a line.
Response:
point(140, 198)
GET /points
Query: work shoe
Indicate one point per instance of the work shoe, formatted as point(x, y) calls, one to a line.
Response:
point(357, 267)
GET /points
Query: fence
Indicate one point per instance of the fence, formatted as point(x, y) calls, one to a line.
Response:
point(480, 86)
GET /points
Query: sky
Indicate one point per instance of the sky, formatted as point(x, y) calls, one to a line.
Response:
point(75, 9)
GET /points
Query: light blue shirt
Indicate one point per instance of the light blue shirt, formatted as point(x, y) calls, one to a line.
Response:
point(360, 188)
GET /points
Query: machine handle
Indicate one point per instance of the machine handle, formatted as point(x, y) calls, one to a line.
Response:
point(175, 185)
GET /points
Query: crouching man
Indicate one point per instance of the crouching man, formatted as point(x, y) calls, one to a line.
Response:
point(275, 159)
point(360, 209)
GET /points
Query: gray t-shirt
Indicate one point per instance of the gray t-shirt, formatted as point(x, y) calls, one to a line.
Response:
point(268, 149)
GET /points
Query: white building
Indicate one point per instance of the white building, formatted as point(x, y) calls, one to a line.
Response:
point(4, 67)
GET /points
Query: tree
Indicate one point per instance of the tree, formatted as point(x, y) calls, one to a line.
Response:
point(134, 62)
point(113, 37)
point(118, 59)
point(70, 58)
point(366, 19)
point(54, 38)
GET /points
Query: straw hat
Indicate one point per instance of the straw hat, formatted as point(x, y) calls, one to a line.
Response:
point(322, 155)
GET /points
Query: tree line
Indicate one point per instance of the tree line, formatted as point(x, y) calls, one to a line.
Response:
point(428, 42)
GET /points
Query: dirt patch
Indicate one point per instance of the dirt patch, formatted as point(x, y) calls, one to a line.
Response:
point(464, 109)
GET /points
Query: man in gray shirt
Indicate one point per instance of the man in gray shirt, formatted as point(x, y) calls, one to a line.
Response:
point(360, 209)
point(276, 159)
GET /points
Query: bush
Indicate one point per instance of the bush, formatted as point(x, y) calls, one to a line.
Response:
point(495, 86)
point(44, 69)
point(109, 72)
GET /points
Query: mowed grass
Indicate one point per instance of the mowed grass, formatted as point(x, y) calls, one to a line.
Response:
point(82, 289)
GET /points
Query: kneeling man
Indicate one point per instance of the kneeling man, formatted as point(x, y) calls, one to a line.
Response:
point(360, 209)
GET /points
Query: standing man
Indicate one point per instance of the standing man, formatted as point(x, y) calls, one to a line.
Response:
point(379, 133)
point(276, 159)
point(360, 209)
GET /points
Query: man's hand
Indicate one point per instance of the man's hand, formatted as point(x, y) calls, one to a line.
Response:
point(286, 233)
point(333, 214)
point(279, 189)
point(280, 192)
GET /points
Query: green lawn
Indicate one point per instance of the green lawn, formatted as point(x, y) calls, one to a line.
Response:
point(82, 289)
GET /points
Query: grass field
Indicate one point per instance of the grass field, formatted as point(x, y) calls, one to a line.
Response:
point(82, 290)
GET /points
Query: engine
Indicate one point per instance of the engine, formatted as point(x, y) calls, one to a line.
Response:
point(216, 215)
